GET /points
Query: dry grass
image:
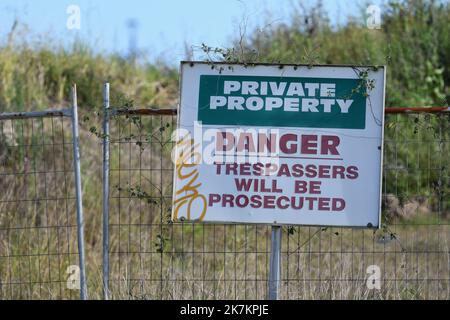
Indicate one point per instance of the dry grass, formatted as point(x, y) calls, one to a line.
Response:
point(152, 259)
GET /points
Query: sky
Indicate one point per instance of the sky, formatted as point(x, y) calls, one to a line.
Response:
point(163, 28)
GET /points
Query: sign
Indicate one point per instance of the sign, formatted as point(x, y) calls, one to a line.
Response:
point(279, 144)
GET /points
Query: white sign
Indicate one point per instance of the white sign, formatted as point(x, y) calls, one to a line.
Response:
point(279, 144)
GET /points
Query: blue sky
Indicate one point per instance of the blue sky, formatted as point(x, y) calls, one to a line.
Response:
point(163, 26)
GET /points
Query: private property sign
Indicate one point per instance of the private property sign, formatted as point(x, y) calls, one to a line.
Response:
point(279, 144)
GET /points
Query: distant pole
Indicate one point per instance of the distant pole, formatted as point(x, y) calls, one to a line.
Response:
point(79, 195)
point(275, 264)
point(106, 191)
point(132, 45)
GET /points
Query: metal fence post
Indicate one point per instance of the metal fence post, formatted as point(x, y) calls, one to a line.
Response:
point(106, 191)
point(79, 196)
point(275, 261)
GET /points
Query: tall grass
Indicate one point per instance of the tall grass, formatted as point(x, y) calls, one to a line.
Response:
point(154, 259)
point(34, 77)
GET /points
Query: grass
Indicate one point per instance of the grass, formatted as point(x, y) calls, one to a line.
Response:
point(153, 259)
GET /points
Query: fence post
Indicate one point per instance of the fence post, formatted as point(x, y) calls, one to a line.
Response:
point(275, 261)
point(106, 191)
point(79, 196)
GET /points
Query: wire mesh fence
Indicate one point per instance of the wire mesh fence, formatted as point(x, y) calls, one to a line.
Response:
point(152, 258)
point(38, 229)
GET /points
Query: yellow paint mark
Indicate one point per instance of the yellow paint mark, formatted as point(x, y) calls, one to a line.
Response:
point(187, 173)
